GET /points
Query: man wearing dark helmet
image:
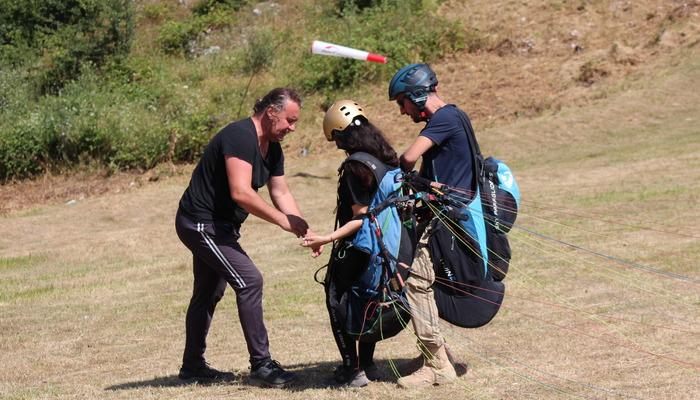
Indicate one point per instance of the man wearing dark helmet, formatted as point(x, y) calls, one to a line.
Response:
point(445, 151)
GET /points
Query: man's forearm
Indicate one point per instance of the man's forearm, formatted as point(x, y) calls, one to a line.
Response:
point(251, 201)
point(286, 203)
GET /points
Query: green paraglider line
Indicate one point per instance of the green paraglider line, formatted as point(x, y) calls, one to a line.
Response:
point(598, 254)
point(632, 346)
point(442, 217)
point(526, 376)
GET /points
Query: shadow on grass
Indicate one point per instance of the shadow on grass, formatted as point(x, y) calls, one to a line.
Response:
point(307, 175)
point(170, 381)
point(311, 376)
point(320, 375)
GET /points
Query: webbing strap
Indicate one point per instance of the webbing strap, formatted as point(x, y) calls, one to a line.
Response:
point(477, 158)
point(378, 168)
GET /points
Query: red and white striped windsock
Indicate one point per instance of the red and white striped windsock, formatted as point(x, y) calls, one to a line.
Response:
point(330, 49)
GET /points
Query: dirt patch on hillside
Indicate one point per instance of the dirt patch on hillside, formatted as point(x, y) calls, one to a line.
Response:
point(70, 188)
point(544, 55)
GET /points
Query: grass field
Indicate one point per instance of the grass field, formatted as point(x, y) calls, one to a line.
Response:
point(93, 295)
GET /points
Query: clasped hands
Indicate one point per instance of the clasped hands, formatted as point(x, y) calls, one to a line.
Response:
point(300, 227)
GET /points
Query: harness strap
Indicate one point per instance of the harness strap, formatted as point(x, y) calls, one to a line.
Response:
point(378, 168)
point(385, 204)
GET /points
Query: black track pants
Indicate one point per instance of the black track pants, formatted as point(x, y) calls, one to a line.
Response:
point(219, 260)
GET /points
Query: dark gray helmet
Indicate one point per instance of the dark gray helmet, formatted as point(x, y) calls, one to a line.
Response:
point(415, 81)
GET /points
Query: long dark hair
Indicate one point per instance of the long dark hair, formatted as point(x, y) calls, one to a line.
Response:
point(367, 138)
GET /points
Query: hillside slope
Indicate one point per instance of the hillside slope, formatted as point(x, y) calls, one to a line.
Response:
point(532, 58)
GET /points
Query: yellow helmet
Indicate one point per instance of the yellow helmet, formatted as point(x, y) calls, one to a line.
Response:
point(340, 115)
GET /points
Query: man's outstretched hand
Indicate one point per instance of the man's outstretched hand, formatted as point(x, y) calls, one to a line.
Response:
point(295, 225)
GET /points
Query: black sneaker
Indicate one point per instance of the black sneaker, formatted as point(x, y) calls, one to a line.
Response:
point(272, 374)
point(204, 372)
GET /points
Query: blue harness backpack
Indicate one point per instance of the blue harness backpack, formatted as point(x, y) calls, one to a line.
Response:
point(373, 308)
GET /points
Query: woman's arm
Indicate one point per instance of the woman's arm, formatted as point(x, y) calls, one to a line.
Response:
point(342, 232)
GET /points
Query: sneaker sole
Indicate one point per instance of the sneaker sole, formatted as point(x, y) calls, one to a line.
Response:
point(265, 384)
point(223, 376)
point(193, 379)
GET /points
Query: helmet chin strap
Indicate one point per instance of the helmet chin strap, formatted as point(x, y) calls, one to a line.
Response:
point(423, 115)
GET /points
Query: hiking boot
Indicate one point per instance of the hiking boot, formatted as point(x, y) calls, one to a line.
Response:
point(271, 374)
point(353, 378)
point(427, 376)
point(437, 371)
point(204, 372)
point(424, 377)
point(415, 364)
point(460, 366)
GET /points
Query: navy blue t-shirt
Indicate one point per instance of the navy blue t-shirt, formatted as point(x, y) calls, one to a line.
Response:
point(450, 160)
point(208, 197)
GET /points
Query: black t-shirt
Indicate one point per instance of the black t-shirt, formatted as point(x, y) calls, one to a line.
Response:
point(208, 198)
point(352, 190)
point(450, 161)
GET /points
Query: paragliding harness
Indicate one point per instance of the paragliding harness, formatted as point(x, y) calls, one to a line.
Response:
point(468, 244)
point(364, 285)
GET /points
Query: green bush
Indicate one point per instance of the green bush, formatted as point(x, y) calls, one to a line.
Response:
point(176, 37)
point(92, 121)
point(193, 134)
point(103, 104)
point(204, 7)
point(182, 37)
point(259, 53)
point(139, 145)
point(22, 145)
point(14, 92)
point(22, 149)
point(156, 12)
point(351, 6)
point(64, 36)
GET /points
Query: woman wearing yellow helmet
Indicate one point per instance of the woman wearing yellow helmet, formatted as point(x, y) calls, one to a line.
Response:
point(347, 125)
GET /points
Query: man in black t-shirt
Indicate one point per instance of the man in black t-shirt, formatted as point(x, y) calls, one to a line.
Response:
point(446, 158)
point(238, 160)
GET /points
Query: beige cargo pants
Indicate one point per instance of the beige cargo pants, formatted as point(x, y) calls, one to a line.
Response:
point(419, 291)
